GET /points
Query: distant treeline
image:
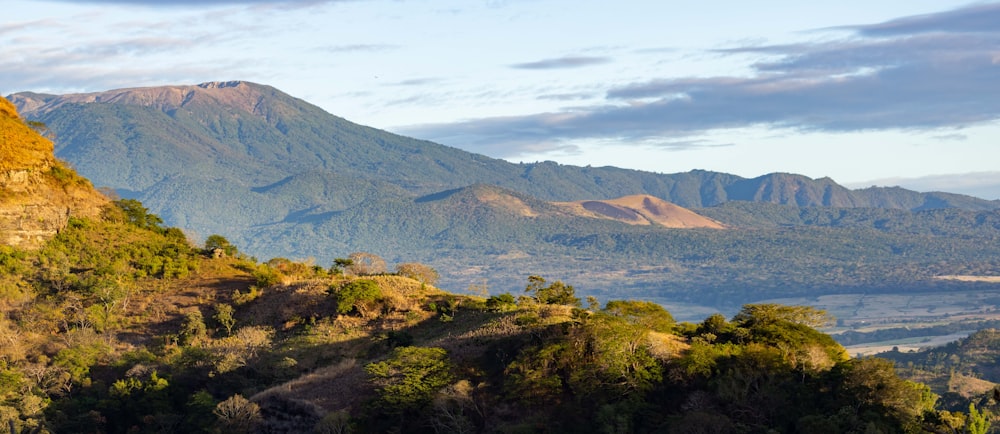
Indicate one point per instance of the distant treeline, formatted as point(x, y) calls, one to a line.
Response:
point(854, 337)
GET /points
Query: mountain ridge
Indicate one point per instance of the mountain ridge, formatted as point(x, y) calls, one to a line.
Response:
point(696, 188)
point(282, 178)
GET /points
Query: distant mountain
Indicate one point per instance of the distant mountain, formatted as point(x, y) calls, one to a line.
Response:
point(281, 177)
point(132, 139)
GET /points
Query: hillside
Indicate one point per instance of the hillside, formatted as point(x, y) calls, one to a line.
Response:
point(961, 371)
point(135, 331)
point(38, 194)
point(641, 210)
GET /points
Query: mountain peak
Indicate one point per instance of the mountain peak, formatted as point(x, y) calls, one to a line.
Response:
point(241, 95)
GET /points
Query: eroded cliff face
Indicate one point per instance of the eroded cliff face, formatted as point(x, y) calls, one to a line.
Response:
point(38, 194)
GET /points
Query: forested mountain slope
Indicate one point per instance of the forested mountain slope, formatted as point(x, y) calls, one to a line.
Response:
point(281, 177)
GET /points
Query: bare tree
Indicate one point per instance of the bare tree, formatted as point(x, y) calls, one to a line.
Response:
point(366, 264)
point(419, 272)
point(237, 414)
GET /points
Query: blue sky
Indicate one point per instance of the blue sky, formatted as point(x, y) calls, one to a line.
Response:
point(889, 92)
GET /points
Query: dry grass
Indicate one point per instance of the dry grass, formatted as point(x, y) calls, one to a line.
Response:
point(331, 388)
point(969, 387)
point(21, 147)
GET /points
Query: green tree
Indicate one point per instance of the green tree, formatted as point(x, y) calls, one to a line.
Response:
point(555, 293)
point(224, 316)
point(410, 377)
point(138, 215)
point(501, 303)
point(976, 422)
point(193, 329)
point(759, 314)
point(220, 242)
point(358, 295)
point(643, 313)
point(340, 265)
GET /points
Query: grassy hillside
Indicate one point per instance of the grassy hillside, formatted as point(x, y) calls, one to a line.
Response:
point(21, 147)
point(38, 193)
point(120, 325)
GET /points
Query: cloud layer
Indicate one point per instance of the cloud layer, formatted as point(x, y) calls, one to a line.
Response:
point(914, 73)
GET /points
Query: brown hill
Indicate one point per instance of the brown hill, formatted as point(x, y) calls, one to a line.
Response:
point(641, 209)
point(38, 193)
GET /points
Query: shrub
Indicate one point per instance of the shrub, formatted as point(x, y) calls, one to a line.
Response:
point(410, 377)
point(358, 295)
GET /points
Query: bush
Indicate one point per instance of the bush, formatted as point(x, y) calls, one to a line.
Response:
point(410, 377)
point(358, 295)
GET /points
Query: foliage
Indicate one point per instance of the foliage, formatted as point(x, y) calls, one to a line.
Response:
point(340, 265)
point(410, 377)
point(644, 313)
point(65, 176)
point(358, 295)
point(555, 293)
point(755, 315)
point(193, 329)
point(976, 422)
point(135, 214)
point(219, 242)
point(501, 303)
point(419, 272)
point(104, 336)
point(224, 316)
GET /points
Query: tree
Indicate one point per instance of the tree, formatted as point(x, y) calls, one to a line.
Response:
point(237, 414)
point(556, 293)
point(340, 265)
point(410, 378)
point(977, 422)
point(138, 215)
point(501, 303)
point(193, 329)
point(366, 264)
point(224, 316)
point(419, 272)
point(220, 242)
point(752, 315)
point(643, 313)
point(358, 295)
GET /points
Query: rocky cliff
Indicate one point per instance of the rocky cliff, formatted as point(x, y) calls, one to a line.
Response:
point(38, 194)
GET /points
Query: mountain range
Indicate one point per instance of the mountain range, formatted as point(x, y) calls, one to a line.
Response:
point(281, 177)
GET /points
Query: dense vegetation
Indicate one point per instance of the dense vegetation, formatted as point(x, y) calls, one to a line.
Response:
point(119, 325)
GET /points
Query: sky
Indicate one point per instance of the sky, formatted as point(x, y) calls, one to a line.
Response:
point(868, 93)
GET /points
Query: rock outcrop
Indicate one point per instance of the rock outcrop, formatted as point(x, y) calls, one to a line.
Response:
point(38, 194)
